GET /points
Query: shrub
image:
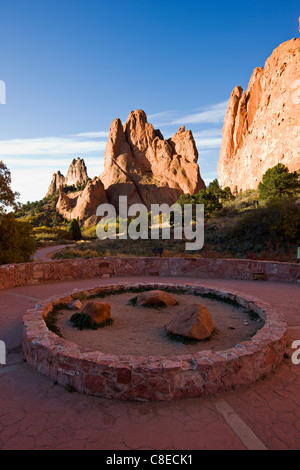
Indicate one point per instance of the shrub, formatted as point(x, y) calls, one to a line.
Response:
point(89, 233)
point(48, 236)
point(83, 321)
point(16, 242)
point(243, 202)
point(277, 221)
point(74, 229)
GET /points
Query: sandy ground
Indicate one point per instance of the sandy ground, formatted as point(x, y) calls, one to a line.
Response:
point(140, 331)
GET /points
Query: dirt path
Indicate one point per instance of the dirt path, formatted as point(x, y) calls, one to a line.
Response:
point(44, 254)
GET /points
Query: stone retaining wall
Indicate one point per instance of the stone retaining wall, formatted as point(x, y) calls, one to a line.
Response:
point(68, 270)
point(157, 377)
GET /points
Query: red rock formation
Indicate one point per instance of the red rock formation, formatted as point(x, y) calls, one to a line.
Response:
point(82, 204)
point(140, 164)
point(58, 180)
point(77, 173)
point(261, 126)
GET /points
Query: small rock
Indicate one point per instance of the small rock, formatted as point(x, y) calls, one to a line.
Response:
point(193, 321)
point(75, 305)
point(98, 311)
point(156, 297)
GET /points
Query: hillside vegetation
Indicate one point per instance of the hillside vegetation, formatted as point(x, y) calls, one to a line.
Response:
point(255, 224)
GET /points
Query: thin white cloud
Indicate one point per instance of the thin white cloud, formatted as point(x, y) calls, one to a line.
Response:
point(162, 115)
point(91, 135)
point(47, 162)
point(204, 133)
point(214, 113)
point(208, 143)
point(208, 139)
point(50, 146)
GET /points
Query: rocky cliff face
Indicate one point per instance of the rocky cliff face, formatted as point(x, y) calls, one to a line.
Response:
point(58, 180)
point(77, 173)
point(148, 169)
point(262, 124)
point(138, 164)
point(82, 204)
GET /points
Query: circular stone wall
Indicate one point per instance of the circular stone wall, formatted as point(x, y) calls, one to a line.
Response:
point(128, 377)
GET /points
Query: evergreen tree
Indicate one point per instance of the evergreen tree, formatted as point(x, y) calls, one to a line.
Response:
point(74, 228)
point(212, 197)
point(278, 182)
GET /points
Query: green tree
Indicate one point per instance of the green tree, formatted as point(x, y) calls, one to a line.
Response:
point(55, 220)
point(7, 196)
point(16, 243)
point(186, 199)
point(211, 200)
point(74, 229)
point(278, 182)
point(212, 197)
point(226, 194)
point(217, 192)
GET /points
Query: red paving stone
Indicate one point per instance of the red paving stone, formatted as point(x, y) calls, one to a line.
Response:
point(35, 413)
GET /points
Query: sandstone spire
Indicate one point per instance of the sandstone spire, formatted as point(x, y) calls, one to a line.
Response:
point(142, 165)
point(77, 173)
point(58, 180)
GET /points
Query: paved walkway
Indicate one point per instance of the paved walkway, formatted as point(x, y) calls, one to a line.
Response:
point(38, 414)
point(44, 254)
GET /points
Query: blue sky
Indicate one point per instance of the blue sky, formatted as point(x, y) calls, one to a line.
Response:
point(72, 66)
